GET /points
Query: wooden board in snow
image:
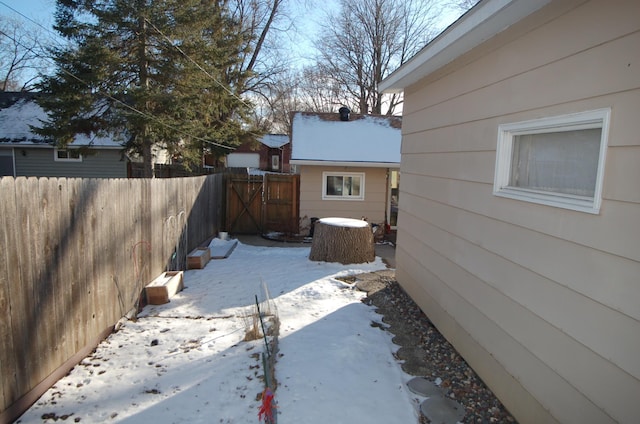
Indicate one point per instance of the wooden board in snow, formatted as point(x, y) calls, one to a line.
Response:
point(221, 249)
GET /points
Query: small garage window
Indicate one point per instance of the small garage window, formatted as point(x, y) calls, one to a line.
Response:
point(67, 155)
point(342, 186)
point(556, 161)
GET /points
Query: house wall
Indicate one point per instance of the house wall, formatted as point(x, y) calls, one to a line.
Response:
point(541, 301)
point(284, 155)
point(243, 160)
point(6, 162)
point(40, 163)
point(373, 206)
point(258, 155)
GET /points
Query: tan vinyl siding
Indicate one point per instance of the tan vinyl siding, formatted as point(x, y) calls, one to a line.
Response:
point(372, 207)
point(618, 179)
point(524, 94)
point(41, 163)
point(507, 264)
point(541, 301)
point(540, 56)
point(471, 332)
point(432, 302)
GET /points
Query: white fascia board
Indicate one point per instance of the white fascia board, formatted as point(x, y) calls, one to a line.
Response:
point(30, 145)
point(393, 165)
point(485, 20)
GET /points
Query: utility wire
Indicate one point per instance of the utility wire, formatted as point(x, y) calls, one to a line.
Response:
point(30, 20)
point(151, 117)
point(146, 115)
point(196, 63)
point(201, 68)
point(133, 109)
point(159, 32)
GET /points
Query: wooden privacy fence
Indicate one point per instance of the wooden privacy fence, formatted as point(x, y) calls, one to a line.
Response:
point(258, 204)
point(75, 255)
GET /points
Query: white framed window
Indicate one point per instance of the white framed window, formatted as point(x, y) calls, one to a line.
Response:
point(343, 185)
point(67, 155)
point(556, 161)
point(275, 162)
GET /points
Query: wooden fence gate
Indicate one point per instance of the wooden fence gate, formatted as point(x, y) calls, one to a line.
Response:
point(260, 204)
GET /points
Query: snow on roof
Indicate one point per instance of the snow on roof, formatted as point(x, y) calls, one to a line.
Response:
point(17, 119)
point(274, 140)
point(319, 138)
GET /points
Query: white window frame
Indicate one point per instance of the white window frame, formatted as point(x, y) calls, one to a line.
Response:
point(326, 174)
point(67, 159)
point(570, 122)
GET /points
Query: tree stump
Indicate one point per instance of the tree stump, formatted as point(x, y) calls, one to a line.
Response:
point(344, 240)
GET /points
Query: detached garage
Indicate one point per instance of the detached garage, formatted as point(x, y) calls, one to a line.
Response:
point(519, 218)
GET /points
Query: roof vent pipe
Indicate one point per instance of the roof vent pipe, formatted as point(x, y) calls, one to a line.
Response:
point(344, 113)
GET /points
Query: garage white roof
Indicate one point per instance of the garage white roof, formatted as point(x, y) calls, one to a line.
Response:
point(364, 140)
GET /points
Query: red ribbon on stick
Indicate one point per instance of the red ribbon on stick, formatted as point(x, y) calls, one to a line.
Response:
point(266, 410)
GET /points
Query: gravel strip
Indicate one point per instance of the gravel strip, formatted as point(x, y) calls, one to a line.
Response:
point(426, 353)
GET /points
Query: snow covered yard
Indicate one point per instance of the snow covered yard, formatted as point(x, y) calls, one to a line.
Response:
point(186, 361)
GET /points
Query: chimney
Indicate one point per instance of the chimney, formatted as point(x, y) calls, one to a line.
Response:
point(344, 113)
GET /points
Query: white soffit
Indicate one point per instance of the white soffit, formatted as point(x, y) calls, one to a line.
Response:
point(392, 165)
point(485, 20)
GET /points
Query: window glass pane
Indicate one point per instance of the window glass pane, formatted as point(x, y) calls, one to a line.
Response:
point(355, 186)
point(348, 186)
point(334, 186)
point(562, 162)
point(351, 186)
point(67, 154)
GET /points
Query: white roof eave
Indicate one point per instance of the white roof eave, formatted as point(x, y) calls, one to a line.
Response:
point(345, 163)
point(31, 145)
point(485, 20)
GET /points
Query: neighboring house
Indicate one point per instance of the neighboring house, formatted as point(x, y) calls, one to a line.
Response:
point(23, 153)
point(346, 167)
point(519, 222)
point(272, 153)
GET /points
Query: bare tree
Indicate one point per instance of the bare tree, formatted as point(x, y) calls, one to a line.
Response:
point(306, 90)
point(279, 100)
point(261, 23)
point(362, 43)
point(320, 92)
point(365, 40)
point(20, 55)
point(462, 5)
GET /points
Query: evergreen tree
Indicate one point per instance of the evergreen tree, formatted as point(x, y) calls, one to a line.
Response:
point(153, 73)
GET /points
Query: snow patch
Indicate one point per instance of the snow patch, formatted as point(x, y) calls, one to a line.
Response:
point(186, 361)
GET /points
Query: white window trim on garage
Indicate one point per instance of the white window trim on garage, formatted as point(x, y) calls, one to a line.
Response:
point(509, 133)
point(327, 174)
point(66, 155)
